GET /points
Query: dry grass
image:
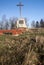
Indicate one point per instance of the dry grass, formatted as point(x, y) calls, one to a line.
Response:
point(21, 50)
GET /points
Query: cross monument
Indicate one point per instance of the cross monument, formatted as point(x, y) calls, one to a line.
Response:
point(20, 5)
point(21, 23)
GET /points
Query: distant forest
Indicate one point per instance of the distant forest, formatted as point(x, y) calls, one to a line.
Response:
point(6, 24)
point(11, 23)
point(38, 24)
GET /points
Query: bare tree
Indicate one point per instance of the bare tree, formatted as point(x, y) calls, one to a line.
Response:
point(1, 25)
point(4, 21)
point(33, 24)
point(13, 22)
point(6, 25)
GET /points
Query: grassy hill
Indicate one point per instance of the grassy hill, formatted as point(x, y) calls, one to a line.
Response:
point(25, 49)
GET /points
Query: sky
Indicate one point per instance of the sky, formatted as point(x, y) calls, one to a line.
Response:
point(32, 9)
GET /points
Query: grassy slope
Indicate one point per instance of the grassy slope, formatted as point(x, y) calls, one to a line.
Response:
point(21, 50)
